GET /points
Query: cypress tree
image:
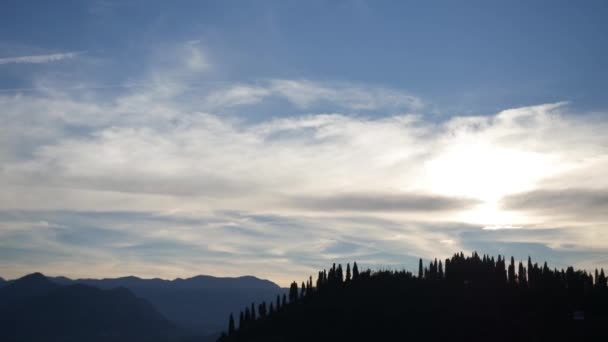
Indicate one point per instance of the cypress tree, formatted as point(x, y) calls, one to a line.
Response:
point(284, 301)
point(531, 282)
point(602, 279)
point(355, 271)
point(420, 269)
point(347, 272)
point(511, 273)
point(521, 275)
point(293, 292)
point(247, 315)
point(253, 311)
point(231, 325)
point(597, 277)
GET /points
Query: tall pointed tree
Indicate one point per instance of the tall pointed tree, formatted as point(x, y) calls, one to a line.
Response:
point(521, 275)
point(293, 292)
point(348, 272)
point(355, 271)
point(511, 272)
point(231, 325)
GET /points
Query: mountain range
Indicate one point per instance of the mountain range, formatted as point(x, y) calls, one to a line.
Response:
point(199, 304)
point(33, 308)
point(196, 306)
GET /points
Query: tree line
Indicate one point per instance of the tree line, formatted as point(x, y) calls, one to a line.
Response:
point(461, 280)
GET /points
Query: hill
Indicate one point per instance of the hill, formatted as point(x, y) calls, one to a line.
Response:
point(198, 304)
point(462, 299)
point(33, 308)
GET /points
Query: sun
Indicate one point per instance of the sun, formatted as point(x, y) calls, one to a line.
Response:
point(487, 173)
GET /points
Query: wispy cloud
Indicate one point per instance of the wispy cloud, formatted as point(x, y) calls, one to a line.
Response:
point(38, 59)
point(306, 94)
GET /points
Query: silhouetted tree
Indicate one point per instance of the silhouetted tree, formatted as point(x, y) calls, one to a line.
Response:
point(231, 325)
point(247, 316)
point(293, 292)
point(531, 280)
point(355, 271)
point(601, 282)
point(339, 275)
point(511, 273)
point(521, 275)
point(348, 272)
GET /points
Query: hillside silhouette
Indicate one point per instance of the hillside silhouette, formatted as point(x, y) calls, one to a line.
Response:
point(34, 308)
point(197, 305)
point(473, 298)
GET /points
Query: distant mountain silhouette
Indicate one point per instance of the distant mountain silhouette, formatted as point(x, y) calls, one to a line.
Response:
point(34, 284)
point(33, 308)
point(458, 299)
point(199, 304)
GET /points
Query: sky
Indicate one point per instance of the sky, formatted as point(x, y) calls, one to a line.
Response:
point(273, 138)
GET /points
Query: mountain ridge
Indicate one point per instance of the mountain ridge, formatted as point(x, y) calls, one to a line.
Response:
point(198, 304)
point(34, 308)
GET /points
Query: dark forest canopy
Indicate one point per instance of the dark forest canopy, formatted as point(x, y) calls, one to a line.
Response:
point(473, 298)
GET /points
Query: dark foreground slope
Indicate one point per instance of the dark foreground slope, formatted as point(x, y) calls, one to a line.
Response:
point(471, 299)
point(198, 305)
point(35, 309)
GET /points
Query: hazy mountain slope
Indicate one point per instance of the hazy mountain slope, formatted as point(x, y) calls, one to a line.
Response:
point(45, 311)
point(34, 284)
point(199, 304)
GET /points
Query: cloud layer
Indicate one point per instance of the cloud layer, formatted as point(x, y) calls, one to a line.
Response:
point(172, 179)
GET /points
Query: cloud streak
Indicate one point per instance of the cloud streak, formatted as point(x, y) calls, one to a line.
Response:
point(587, 205)
point(305, 94)
point(389, 202)
point(39, 59)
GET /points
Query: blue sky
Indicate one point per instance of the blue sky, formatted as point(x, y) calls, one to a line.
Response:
point(473, 57)
point(291, 135)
